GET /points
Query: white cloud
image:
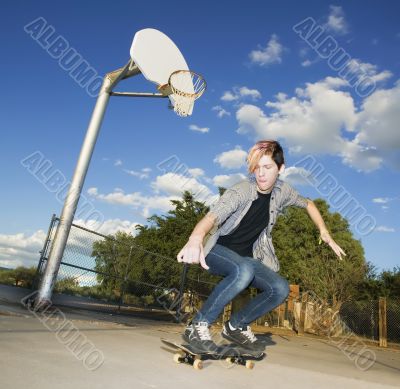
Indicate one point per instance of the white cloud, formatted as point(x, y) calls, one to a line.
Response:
point(295, 176)
point(270, 54)
point(193, 127)
point(82, 243)
point(232, 159)
point(92, 191)
point(229, 96)
point(175, 184)
point(109, 227)
point(144, 173)
point(196, 172)
point(241, 93)
point(135, 200)
point(117, 162)
point(384, 229)
point(310, 122)
point(378, 124)
point(306, 63)
point(381, 200)
point(21, 249)
point(227, 181)
point(321, 118)
point(221, 112)
point(384, 201)
point(254, 94)
point(336, 20)
point(361, 157)
point(360, 71)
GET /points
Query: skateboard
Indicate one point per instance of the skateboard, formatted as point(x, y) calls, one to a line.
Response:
point(231, 353)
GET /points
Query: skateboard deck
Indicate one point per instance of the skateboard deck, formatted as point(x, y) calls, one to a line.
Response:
point(231, 353)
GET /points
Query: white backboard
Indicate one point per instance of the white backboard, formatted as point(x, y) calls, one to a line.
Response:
point(156, 55)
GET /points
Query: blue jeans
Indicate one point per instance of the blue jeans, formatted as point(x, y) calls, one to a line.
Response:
point(239, 273)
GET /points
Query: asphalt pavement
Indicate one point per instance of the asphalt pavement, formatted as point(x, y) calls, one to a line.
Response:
point(78, 348)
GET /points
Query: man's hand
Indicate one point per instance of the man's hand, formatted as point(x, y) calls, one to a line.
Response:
point(193, 252)
point(325, 236)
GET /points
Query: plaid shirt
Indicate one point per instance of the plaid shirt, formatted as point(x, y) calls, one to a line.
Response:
point(234, 204)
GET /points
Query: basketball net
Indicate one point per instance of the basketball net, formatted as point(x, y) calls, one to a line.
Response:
point(186, 86)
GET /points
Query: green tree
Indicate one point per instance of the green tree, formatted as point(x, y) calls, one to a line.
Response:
point(315, 266)
point(390, 280)
point(111, 260)
point(149, 257)
point(7, 276)
point(24, 276)
point(167, 235)
point(371, 287)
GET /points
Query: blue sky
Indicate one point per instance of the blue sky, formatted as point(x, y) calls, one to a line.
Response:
point(265, 80)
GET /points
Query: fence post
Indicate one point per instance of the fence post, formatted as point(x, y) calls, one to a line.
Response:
point(43, 252)
point(382, 322)
point(304, 298)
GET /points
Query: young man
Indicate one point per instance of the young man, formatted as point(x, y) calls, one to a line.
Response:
point(240, 248)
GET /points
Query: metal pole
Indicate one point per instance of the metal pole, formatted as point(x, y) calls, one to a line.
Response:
point(57, 250)
point(181, 290)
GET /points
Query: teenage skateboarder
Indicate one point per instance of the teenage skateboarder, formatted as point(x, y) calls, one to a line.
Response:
point(240, 248)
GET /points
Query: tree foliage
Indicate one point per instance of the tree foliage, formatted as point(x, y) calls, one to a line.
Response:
point(315, 266)
point(20, 276)
point(145, 264)
point(149, 257)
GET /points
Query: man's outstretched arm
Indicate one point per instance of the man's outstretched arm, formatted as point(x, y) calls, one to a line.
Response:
point(324, 233)
point(193, 251)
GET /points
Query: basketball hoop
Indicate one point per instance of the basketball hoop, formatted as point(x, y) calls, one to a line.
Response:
point(183, 88)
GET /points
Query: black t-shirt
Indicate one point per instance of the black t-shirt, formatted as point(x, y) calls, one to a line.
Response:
point(256, 219)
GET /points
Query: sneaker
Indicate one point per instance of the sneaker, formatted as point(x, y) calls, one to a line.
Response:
point(198, 337)
point(243, 337)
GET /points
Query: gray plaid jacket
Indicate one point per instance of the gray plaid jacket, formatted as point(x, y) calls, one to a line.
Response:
point(234, 204)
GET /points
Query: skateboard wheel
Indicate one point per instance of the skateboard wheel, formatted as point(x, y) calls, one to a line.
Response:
point(249, 365)
point(229, 360)
point(177, 358)
point(198, 364)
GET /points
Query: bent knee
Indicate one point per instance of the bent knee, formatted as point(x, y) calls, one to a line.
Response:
point(245, 274)
point(282, 289)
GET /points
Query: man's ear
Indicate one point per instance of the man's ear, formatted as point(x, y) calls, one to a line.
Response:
point(282, 169)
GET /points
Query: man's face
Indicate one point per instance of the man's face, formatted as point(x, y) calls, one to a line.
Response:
point(266, 172)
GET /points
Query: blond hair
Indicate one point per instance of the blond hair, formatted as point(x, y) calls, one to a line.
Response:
point(271, 148)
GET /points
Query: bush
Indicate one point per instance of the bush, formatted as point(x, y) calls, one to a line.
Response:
point(21, 276)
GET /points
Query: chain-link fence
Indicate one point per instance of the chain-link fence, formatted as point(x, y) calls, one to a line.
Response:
point(107, 273)
point(372, 320)
point(362, 318)
point(101, 272)
point(393, 320)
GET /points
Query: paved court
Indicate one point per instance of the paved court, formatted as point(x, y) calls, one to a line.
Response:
point(36, 352)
